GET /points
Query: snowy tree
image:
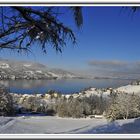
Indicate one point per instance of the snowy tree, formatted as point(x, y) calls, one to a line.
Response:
point(6, 103)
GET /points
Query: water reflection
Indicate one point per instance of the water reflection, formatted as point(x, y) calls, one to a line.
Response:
point(62, 85)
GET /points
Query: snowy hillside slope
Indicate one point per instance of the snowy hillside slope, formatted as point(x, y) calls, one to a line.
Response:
point(13, 69)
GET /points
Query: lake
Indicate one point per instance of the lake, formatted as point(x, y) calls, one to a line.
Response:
point(65, 86)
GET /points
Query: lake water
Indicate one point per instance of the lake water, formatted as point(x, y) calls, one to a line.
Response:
point(65, 86)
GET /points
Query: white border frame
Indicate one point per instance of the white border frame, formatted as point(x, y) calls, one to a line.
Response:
point(70, 136)
point(70, 3)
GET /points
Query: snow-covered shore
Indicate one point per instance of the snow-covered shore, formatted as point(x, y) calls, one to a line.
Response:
point(130, 89)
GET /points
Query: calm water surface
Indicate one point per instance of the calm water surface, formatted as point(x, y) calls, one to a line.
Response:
point(62, 85)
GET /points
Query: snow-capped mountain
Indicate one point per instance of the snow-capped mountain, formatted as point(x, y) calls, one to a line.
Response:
point(11, 69)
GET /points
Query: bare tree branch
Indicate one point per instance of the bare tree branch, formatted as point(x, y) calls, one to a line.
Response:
point(34, 25)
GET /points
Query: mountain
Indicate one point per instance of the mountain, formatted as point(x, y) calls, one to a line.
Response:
point(13, 69)
point(63, 73)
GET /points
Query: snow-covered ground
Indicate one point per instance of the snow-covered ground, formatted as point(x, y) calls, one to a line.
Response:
point(57, 125)
point(129, 126)
point(130, 89)
point(47, 125)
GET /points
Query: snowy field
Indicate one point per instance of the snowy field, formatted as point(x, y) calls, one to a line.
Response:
point(46, 125)
point(130, 89)
point(57, 125)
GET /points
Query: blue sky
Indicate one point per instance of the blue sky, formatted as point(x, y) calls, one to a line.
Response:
point(108, 34)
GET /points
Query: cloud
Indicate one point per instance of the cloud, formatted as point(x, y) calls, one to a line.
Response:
point(115, 68)
point(107, 64)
